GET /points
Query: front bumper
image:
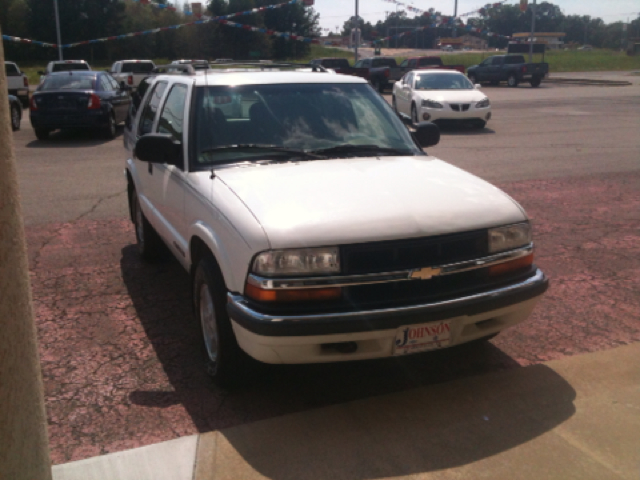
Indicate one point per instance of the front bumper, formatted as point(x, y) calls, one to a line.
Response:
point(447, 113)
point(304, 338)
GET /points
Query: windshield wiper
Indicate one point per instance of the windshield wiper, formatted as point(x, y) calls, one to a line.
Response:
point(272, 149)
point(349, 148)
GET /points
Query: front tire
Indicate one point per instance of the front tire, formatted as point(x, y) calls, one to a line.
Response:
point(224, 360)
point(480, 124)
point(512, 80)
point(414, 114)
point(16, 116)
point(149, 242)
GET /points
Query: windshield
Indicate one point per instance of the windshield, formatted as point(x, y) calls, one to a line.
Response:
point(69, 82)
point(297, 117)
point(443, 81)
point(137, 67)
point(66, 67)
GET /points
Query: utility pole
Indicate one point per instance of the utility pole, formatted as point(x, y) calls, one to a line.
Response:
point(533, 30)
point(455, 14)
point(24, 448)
point(357, 31)
point(55, 8)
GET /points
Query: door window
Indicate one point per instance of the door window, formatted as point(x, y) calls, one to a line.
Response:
point(151, 108)
point(172, 115)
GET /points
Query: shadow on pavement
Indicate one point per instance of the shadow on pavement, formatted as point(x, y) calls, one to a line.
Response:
point(161, 297)
point(446, 426)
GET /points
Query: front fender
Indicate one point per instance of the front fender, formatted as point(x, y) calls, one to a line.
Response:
point(216, 246)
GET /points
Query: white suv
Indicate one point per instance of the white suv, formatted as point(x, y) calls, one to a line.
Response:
point(313, 225)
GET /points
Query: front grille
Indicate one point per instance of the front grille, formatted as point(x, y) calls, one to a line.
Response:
point(390, 256)
point(458, 107)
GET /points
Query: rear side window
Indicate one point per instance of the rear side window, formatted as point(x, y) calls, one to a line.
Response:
point(172, 116)
point(335, 63)
point(497, 61)
point(151, 108)
point(514, 59)
point(11, 70)
point(137, 67)
point(429, 61)
point(384, 62)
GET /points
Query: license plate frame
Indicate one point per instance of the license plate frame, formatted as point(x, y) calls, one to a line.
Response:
point(422, 337)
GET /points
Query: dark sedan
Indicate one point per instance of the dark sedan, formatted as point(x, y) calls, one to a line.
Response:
point(15, 107)
point(79, 99)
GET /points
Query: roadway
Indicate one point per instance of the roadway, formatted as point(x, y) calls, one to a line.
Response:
point(119, 347)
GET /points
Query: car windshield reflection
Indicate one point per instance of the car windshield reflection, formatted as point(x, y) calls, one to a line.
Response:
point(303, 117)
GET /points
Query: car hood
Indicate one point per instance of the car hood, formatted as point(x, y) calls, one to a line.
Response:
point(356, 200)
point(459, 96)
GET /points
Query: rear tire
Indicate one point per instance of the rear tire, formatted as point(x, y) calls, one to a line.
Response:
point(535, 81)
point(512, 80)
point(110, 130)
point(225, 361)
point(42, 133)
point(16, 116)
point(150, 246)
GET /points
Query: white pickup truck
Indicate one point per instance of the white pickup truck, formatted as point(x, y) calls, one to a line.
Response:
point(131, 72)
point(63, 66)
point(314, 226)
point(17, 82)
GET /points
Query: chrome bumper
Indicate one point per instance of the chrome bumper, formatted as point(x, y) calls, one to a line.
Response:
point(382, 319)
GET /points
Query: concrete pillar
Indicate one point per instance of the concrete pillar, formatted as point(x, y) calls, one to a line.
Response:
point(24, 448)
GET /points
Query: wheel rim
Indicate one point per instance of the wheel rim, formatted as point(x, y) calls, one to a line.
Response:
point(209, 322)
point(139, 224)
point(15, 117)
point(112, 126)
point(512, 80)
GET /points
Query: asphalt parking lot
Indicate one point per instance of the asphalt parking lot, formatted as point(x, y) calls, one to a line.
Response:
point(120, 350)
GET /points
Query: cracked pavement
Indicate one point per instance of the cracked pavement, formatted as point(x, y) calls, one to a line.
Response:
point(120, 350)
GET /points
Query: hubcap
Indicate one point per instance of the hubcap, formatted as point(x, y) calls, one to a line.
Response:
point(208, 321)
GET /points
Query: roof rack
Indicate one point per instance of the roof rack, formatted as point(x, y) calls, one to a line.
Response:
point(264, 65)
point(174, 69)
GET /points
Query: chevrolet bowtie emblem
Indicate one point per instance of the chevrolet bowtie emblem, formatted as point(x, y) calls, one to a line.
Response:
point(425, 273)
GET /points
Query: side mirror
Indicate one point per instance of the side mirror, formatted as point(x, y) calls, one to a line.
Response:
point(427, 134)
point(477, 86)
point(158, 148)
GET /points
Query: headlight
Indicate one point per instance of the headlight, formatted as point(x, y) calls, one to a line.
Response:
point(484, 103)
point(297, 261)
point(431, 104)
point(510, 237)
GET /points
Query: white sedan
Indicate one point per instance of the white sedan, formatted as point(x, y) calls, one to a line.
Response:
point(440, 96)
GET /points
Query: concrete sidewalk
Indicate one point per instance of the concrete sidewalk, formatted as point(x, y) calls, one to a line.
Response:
point(575, 418)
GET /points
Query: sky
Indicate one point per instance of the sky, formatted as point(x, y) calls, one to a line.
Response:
point(333, 13)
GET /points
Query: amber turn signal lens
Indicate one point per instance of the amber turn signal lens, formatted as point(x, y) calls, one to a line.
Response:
point(511, 266)
point(293, 295)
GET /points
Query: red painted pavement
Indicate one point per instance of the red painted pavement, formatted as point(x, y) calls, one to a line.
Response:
point(121, 356)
